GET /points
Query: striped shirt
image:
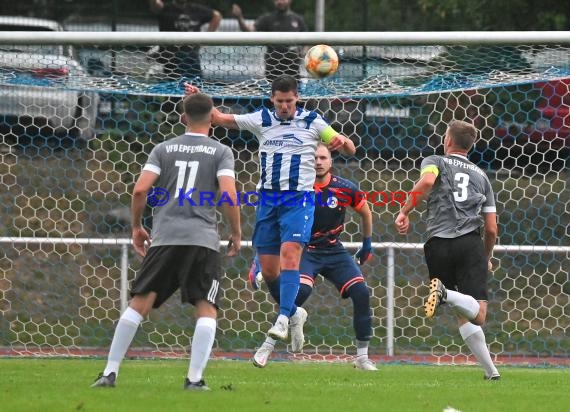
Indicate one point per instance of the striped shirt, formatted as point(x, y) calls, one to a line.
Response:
point(287, 147)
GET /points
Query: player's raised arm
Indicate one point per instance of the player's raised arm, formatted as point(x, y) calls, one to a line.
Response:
point(343, 145)
point(226, 120)
point(335, 141)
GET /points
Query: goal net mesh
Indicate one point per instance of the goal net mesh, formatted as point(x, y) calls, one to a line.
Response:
point(77, 126)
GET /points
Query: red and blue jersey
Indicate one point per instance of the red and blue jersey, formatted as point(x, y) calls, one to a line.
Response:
point(331, 200)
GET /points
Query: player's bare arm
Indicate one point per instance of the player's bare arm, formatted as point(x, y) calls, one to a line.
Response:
point(156, 5)
point(232, 213)
point(237, 13)
point(490, 232)
point(215, 22)
point(422, 189)
point(218, 118)
point(140, 236)
point(343, 145)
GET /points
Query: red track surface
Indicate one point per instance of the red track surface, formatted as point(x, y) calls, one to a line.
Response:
point(285, 356)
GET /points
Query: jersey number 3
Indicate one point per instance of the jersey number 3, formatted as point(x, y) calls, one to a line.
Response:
point(461, 182)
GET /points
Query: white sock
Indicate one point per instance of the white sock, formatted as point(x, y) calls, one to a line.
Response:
point(282, 318)
point(465, 305)
point(124, 334)
point(269, 341)
point(475, 339)
point(361, 348)
point(202, 342)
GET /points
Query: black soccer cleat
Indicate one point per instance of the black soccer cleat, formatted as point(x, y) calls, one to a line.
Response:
point(492, 377)
point(103, 381)
point(195, 386)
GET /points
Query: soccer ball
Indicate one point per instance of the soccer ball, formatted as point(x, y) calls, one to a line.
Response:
point(321, 61)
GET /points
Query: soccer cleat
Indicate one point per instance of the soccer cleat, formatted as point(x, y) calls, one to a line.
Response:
point(255, 276)
point(296, 324)
point(437, 296)
point(195, 386)
point(103, 381)
point(262, 355)
point(494, 377)
point(280, 330)
point(364, 363)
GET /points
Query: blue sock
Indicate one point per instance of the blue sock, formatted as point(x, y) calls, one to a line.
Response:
point(303, 294)
point(288, 290)
point(275, 292)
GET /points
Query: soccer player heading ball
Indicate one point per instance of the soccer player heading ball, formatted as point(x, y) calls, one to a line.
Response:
point(288, 137)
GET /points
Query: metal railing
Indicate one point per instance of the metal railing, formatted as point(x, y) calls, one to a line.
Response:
point(389, 247)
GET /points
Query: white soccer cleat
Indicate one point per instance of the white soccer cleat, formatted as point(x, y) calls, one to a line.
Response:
point(364, 363)
point(280, 331)
point(262, 355)
point(297, 322)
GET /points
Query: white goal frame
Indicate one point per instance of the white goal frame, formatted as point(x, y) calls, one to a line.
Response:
point(332, 38)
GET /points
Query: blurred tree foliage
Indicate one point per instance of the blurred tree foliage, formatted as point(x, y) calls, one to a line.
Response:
point(340, 15)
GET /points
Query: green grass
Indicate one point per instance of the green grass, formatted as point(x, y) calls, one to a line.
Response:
point(156, 385)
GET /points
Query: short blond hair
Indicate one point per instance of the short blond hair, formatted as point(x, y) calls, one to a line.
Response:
point(463, 134)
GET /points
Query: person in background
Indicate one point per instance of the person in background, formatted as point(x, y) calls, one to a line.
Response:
point(280, 59)
point(183, 16)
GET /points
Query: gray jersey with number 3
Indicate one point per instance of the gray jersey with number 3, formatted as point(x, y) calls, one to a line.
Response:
point(460, 194)
point(188, 167)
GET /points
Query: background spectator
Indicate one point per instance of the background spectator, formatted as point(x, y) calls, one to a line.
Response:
point(279, 60)
point(183, 16)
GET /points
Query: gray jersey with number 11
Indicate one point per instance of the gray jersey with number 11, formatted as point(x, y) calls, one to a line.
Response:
point(460, 194)
point(190, 163)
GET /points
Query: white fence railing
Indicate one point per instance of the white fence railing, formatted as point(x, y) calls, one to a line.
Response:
point(389, 247)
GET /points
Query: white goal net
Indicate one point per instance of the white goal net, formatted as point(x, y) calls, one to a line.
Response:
point(80, 114)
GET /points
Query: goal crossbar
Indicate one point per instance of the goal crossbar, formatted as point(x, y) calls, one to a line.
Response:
point(259, 38)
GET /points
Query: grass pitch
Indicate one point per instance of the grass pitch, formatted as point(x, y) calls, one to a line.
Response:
point(156, 385)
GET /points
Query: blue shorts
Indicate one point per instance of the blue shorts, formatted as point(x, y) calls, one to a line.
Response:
point(283, 219)
point(337, 267)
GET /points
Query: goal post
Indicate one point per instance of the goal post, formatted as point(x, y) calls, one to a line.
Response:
point(79, 124)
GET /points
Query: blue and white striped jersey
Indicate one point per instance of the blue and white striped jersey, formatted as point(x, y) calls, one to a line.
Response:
point(286, 147)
